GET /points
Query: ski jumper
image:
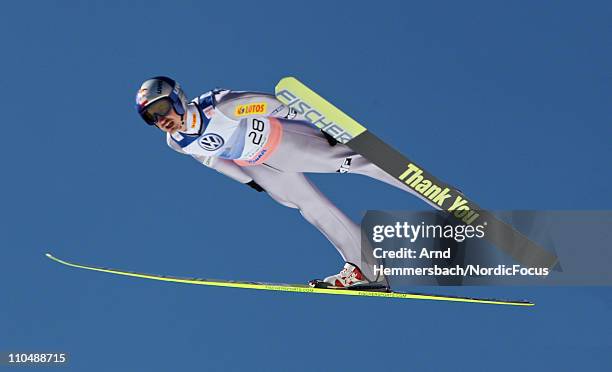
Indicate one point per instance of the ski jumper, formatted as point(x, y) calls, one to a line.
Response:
point(252, 136)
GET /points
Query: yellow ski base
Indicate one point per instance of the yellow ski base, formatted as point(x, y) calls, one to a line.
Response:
point(292, 287)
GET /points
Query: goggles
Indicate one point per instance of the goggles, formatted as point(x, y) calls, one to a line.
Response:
point(160, 108)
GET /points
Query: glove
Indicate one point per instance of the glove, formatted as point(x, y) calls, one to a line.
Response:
point(255, 186)
point(331, 140)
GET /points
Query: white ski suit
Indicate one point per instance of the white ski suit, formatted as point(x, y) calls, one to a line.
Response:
point(252, 136)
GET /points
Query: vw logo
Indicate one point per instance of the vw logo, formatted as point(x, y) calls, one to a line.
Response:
point(210, 141)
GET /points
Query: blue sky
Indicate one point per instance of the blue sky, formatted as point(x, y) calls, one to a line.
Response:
point(510, 101)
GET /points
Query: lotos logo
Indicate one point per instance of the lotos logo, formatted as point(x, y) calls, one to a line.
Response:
point(251, 109)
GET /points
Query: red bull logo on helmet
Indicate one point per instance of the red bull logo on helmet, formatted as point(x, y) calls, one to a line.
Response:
point(141, 97)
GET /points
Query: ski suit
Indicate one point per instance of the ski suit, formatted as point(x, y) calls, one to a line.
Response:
point(251, 136)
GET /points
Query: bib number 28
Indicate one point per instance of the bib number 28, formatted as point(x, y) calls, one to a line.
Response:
point(256, 133)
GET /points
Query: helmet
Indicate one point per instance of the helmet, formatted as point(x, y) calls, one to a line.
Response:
point(163, 90)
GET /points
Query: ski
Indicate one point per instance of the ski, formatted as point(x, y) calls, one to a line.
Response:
point(346, 130)
point(291, 287)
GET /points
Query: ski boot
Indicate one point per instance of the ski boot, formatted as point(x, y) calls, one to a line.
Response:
point(352, 278)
